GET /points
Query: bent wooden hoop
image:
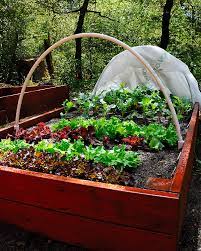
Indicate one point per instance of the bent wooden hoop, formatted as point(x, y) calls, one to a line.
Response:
point(115, 41)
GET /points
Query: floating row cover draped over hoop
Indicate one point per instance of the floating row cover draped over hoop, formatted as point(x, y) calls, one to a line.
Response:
point(174, 74)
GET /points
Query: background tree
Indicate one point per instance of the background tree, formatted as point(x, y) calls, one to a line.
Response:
point(12, 30)
point(165, 24)
point(25, 24)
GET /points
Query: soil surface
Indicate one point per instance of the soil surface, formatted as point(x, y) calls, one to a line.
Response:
point(162, 165)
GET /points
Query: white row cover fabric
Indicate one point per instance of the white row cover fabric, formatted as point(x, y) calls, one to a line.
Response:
point(124, 67)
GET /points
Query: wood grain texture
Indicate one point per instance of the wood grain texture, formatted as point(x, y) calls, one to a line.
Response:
point(5, 91)
point(182, 177)
point(34, 102)
point(96, 235)
point(183, 171)
point(104, 202)
point(3, 117)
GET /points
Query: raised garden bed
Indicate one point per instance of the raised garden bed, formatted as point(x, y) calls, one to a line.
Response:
point(97, 215)
point(36, 100)
point(93, 214)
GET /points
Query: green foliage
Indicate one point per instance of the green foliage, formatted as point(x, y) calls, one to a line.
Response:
point(142, 101)
point(25, 24)
point(68, 105)
point(182, 106)
point(117, 157)
point(155, 135)
point(12, 30)
point(7, 145)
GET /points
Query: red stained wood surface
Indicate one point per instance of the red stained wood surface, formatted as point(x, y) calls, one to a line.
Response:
point(34, 102)
point(98, 235)
point(5, 91)
point(105, 202)
point(182, 174)
point(3, 117)
point(182, 177)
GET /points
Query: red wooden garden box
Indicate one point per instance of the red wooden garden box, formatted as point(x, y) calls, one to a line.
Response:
point(5, 91)
point(97, 215)
point(37, 99)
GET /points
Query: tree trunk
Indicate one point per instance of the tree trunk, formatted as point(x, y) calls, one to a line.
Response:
point(79, 29)
point(165, 24)
point(12, 63)
point(50, 67)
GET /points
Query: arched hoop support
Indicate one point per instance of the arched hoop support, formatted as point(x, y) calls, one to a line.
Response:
point(147, 66)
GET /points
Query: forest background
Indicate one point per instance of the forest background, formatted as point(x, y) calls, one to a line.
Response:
point(27, 27)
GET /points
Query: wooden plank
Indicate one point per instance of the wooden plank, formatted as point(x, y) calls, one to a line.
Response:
point(3, 117)
point(17, 90)
point(105, 202)
point(184, 167)
point(82, 231)
point(34, 102)
point(181, 180)
point(28, 122)
point(5, 91)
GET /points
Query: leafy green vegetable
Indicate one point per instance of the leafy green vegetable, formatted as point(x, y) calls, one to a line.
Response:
point(117, 157)
point(68, 105)
point(149, 103)
point(14, 146)
point(156, 144)
point(114, 128)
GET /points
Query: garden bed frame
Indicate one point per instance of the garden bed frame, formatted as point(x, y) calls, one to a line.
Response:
point(97, 215)
point(37, 99)
point(5, 91)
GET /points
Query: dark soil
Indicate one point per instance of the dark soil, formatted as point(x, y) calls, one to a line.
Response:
point(155, 164)
point(15, 239)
